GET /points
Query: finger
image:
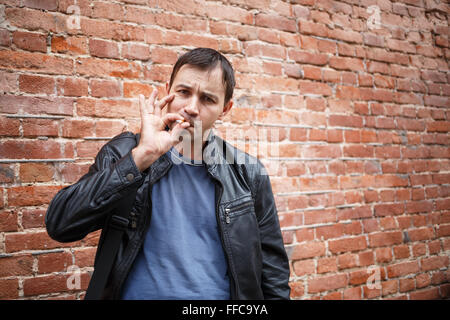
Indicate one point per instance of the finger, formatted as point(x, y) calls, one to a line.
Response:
point(169, 118)
point(164, 101)
point(178, 130)
point(142, 108)
point(151, 100)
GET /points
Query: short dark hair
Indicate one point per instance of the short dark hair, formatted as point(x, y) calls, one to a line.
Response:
point(206, 59)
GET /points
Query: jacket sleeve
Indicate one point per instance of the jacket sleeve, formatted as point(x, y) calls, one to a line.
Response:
point(83, 207)
point(275, 263)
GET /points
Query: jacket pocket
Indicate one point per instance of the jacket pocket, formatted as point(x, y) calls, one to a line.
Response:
point(233, 211)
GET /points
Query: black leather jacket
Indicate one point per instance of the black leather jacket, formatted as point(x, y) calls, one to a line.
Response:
point(246, 214)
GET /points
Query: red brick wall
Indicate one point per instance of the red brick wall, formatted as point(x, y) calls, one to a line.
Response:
point(351, 117)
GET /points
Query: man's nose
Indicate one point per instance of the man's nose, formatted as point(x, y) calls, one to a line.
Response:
point(192, 108)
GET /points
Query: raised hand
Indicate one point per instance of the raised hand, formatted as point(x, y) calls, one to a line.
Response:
point(155, 140)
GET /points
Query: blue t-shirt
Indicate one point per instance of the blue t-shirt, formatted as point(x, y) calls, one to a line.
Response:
point(182, 255)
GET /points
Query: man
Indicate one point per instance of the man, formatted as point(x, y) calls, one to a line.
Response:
point(204, 223)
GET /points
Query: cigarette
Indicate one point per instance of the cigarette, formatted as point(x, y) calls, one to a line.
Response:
point(180, 121)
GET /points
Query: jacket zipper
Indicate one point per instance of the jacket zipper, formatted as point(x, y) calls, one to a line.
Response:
point(232, 275)
point(238, 207)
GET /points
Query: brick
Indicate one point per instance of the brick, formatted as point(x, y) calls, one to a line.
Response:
point(402, 269)
point(96, 67)
point(84, 257)
point(305, 57)
point(445, 290)
point(351, 64)
point(347, 244)
point(31, 195)
point(308, 250)
point(401, 252)
point(135, 51)
point(73, 87)
point(21, 265)
point(383, 255)
point(41, 4)
point(326, 283)
point(110, 11)
point(385, 238)
point(36, 84)
point(104, 88)
point(359, 277)
point(329, 232)
point(178, 38)
point(366, 258)
point(9, 127)
point(77, 128)
point(107, 108)
point(9, 288)
point(433, 263)
point(389, 287)
point(30, 241)
point(33, 218)
point(303, 267)
point(71, 45)
point(347, 260)
point(39, 127)
point(311, 87)
point(103, 49)
point(422, 280)
point(53, 262)
point(5, 38)
point(370, 293)
point(30, 41)
point(163, 55)
point(258, 50)
point(8, 82)
point(51, 283)
point(221, 12)
point(36, 172)
point(352, 293)
point(275, 22)
point(108, 128)
point(421, 234)
point(310, 28)
point(427, 294)
point(383, 210)
point(34, 19)
point(35, 61)
point(297, 289)
point(419, 206)
point(35, 149)
point(8, 221)
point(406, 285)
point(325, 265)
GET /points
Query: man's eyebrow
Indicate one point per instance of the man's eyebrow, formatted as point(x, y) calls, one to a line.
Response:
point(206, 93)
point(182, 85)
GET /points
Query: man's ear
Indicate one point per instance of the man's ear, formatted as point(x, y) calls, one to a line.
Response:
point(226, 109)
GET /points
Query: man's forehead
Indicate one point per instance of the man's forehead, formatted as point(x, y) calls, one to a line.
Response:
point(208, 79)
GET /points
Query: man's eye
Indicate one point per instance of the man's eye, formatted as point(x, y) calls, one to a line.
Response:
point(208, 99)
point(183, 92)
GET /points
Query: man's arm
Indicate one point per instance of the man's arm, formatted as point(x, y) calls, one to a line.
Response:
point(83, 207)
point(275, 263)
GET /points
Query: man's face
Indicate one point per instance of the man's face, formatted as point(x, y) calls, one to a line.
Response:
point(199, 96)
